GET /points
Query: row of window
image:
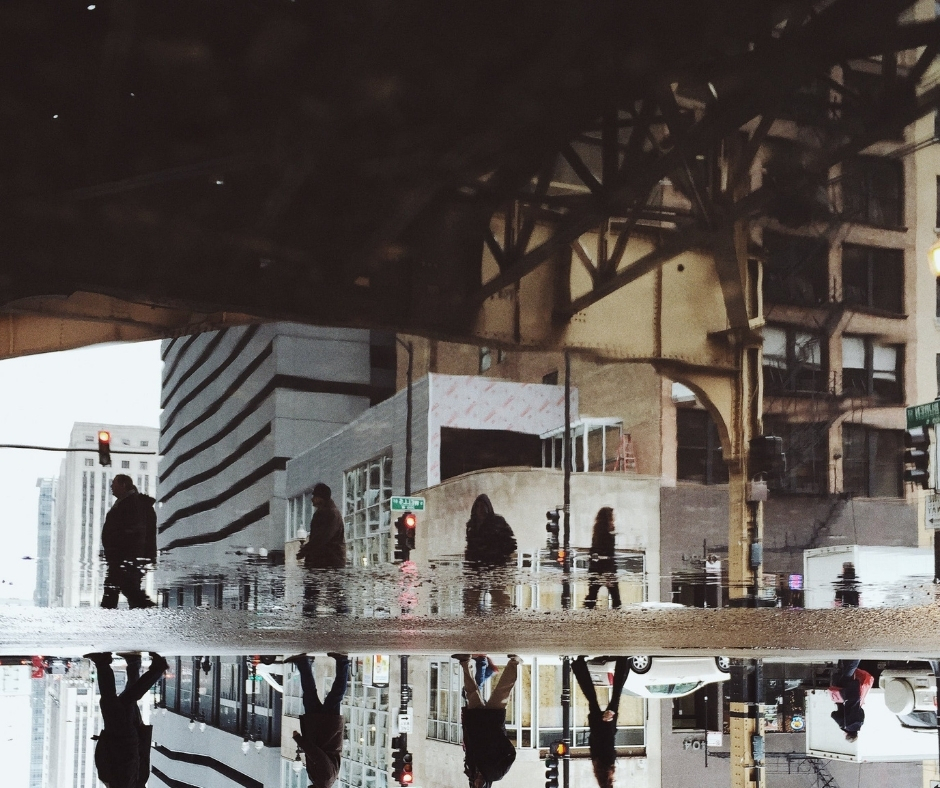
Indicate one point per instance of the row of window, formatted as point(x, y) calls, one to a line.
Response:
point(125, 464)
point(794, 361)
point(796, 272)
point(124, 441)
point(872, 459)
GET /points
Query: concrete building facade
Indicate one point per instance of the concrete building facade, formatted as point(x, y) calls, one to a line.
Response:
point(44, 544)
point(237, 405)
point(83, 498)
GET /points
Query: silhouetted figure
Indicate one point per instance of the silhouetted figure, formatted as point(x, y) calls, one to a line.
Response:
point(325, 547)
point(321, 725)
point(850, 685)
point(129, 543)
point(490, 547)
point(603, 566)
point(847, 593)
point(602, 723)
point(488, 751)
point(122, 754)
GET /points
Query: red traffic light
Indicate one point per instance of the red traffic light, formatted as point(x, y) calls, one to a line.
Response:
point(410, 521)
point(407, 778)
point(104, 448)
point(104, 436)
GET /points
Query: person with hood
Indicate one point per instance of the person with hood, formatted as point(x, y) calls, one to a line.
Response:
point(488, 751)
point(122, 751)
point(490, 546)
point(602, 723)
point(850, 685)
point(322, 724)
point(325, 547)
point(602, 566)
point(129, 543)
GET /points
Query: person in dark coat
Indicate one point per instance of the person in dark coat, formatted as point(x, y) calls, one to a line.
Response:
point(325, 547)
point(129, 543)
point(850, 685)
point(122, 752)
point(602, 566)
point(322, 724)
point(602, 723)
point(488, 751)
point(490, 546)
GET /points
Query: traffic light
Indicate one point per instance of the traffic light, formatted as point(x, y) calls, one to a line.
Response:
point(405, 527)
point(917, 457)
point(402, 762)
point(557, 749)
point(552, 543)
point(104, 448)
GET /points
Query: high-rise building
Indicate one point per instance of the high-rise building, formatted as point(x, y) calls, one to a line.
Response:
point(83, 498)
point(44, 558)
point(237, 405)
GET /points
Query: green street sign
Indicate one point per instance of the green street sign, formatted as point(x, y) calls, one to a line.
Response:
point(404, 503)
point(923, 415)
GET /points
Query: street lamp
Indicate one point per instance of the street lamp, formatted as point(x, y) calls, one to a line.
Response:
point(934, 255)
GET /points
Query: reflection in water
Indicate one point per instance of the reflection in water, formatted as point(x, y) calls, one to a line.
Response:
point(424, 720)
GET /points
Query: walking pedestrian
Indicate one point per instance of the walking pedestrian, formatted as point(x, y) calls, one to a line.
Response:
point(129, 544)
point(325, 547)
point(850, 685)
point(488, 751)
point(122, 752)
point(322, 723)
point(491, 545)
point(602, 723)
point(602, 566)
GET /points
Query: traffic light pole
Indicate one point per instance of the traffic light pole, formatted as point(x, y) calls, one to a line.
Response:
point(566, 718)
point(409, 347)
point(566, 539)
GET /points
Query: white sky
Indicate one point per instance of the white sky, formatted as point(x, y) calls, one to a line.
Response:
point(41, 397)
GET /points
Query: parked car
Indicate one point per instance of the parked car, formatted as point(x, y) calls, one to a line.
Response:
point(673, 677)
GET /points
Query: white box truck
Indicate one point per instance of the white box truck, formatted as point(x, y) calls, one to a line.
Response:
point(881, 738)
point(886, 576)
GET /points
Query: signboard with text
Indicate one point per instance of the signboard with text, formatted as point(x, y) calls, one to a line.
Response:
point(932, 515)
point(923, 415)
point(406, 503)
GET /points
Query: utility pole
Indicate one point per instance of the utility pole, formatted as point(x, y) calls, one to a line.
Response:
point(409, 347)
point(566, 718)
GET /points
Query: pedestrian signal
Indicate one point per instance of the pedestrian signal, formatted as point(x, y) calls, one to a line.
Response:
point(104, 448)
point(917, 457)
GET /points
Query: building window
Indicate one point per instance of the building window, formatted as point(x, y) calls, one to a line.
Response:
point(871, 461)
point(806, 446)
point(90, 438)
point(872, 191)
point(486, 359)
point(143, 466)
point(698, 450)
point(145, 443)
point(793, 360)
point(551, 379)
point(125, 442)
point(873, 277)
point(871, 369)
point(444, 684)
point(89, 462)
point(125, 464)
point(796, 270)
point(367, 512)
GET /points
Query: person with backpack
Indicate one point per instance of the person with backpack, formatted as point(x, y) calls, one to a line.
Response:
point(129, 544)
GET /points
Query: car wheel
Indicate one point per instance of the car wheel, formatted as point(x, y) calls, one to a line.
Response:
point(724, 664)
point(640, 664)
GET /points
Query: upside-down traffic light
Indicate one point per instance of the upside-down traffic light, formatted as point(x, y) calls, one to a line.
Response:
point(104, 447)
point(552, 543)
point(405, 527)
point(917, 457)
point(556, 750)
point(402, 769)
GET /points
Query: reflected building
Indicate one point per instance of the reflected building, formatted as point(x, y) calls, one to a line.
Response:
point(82, 500)
point(44, 544)
point(238, 404)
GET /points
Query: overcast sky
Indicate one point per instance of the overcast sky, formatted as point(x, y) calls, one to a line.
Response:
point(40, 398)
